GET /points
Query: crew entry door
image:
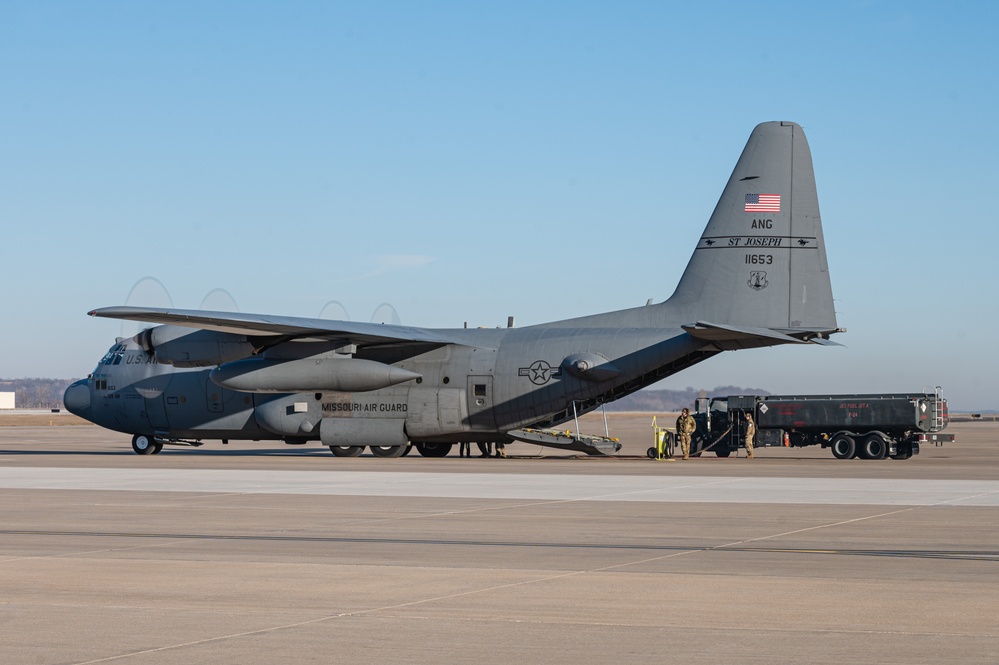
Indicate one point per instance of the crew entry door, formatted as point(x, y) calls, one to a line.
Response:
point(480, 402)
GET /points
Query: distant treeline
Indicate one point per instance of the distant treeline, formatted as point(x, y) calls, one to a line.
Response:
point(674, 400)
point(36, 393)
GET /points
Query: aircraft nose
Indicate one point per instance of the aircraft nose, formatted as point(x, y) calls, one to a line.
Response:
point(77, 398)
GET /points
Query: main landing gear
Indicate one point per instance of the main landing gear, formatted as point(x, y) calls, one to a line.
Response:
point(346, 451)
point(425, 449)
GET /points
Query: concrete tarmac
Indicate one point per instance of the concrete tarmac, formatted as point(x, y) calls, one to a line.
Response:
point(262, 553)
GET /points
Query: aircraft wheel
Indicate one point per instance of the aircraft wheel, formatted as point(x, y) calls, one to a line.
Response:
point(434, 449)
point(407, 450)
point(142, 444)
point(388, 451)
point(723, 453)
point(904, 451)
point(652, 453)
point(873, 447)
point(157, 448)
point(346, 451)
point(843, 447)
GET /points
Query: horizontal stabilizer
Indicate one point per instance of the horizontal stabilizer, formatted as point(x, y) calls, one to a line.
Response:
point(717, 332)
point(823, 341)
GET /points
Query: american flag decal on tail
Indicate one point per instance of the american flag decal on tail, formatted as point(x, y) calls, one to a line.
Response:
point(762, 203)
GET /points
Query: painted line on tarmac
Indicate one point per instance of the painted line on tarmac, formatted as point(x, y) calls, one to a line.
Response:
point(539, 487)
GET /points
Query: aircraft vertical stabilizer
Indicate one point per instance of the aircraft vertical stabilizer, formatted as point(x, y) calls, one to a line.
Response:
point(761, 262)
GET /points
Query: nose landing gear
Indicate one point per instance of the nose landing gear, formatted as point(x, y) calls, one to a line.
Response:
point(146, 445)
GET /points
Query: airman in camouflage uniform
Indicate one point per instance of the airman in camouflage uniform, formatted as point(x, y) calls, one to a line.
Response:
point(750, 435)
point(685, 426)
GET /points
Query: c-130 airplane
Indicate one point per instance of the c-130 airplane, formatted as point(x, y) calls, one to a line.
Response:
point(757, 277)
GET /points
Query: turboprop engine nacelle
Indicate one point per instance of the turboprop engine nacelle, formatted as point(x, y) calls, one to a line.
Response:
point(184, 347)
point(266, 375)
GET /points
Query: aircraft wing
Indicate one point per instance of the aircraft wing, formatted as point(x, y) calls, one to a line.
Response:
point(261, 325)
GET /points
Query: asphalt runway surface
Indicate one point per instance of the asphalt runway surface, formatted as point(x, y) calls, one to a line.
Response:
point(264, 553)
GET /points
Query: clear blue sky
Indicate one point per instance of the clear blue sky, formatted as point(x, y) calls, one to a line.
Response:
point(470, 161)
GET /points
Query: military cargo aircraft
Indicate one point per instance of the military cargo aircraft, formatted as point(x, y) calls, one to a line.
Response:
point(757, 277)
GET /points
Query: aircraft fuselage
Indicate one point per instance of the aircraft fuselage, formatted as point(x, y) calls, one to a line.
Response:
point(491, 382)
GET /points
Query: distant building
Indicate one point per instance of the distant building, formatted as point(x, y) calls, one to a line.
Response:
point(6, 400)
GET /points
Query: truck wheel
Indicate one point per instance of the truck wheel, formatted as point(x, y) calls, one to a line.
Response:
point(723, 453)
point(873, 447)
point(843, 446)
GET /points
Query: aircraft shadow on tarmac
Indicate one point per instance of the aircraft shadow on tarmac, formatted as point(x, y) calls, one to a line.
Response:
point(972, 555)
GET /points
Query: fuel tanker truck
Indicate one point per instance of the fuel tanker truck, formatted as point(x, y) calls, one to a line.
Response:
point(864, 426)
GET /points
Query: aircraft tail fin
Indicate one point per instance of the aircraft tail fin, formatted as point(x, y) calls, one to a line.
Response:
point(761, 261)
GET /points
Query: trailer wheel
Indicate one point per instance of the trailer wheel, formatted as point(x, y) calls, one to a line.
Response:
point(651, 453)
point(843, 446)
point(873, 447)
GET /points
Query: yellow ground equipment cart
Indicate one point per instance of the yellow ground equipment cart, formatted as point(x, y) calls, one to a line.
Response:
point(665, 440)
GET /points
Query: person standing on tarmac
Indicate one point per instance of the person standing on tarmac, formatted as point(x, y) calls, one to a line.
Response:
point(685, 426)
point(750, 435)
point(464, 449)
point(500, 449)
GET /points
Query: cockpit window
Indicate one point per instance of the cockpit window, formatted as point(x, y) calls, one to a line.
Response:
point(113, 356)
